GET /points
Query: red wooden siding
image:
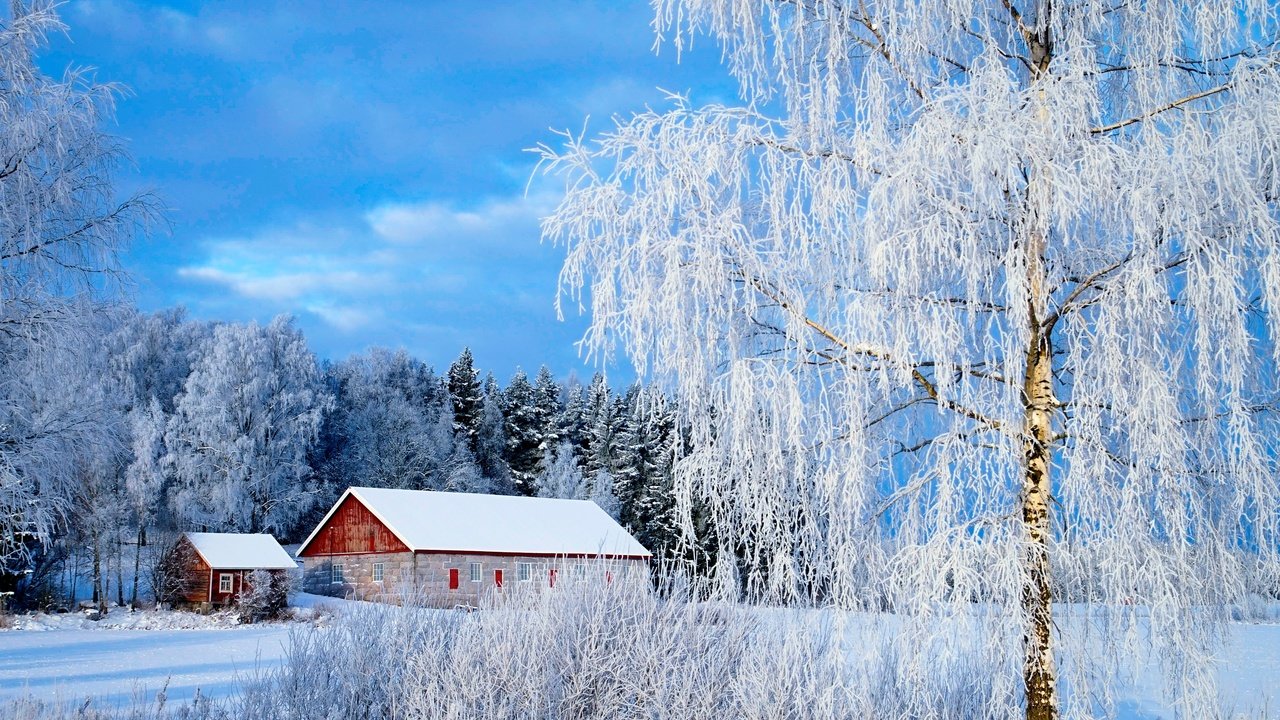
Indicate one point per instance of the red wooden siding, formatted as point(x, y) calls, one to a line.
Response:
point(353, 529)
point(195, 577)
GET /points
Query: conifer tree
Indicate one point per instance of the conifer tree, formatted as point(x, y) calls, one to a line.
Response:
point(466, 397)
point(548, 408)
point(524, 431)
point(491, 440)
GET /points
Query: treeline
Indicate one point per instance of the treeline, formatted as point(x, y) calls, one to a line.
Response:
point(121, 426)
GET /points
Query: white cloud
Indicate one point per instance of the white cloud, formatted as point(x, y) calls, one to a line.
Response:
point(493, 222)
point(397, 265)
point(266, 285)
point(347, 319)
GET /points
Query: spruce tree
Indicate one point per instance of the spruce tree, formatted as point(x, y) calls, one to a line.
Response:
point(491, 440)
point(547, 409)
point(524, 431)
point(464, 393)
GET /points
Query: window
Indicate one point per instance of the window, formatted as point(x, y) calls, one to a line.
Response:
point(377, 572)
point(475, 572)
point(224, 582)
point(524, 572)
point(579, 573)
point(337, 573)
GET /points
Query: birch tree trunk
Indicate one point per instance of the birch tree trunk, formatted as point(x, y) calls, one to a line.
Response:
point(1039, 672)
point(137, 564)
point(1040, 675)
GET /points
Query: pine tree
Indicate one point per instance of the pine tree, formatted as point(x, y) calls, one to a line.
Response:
point(491, 440)
point(647, 455)
point(601, 423)
point(574, 422)
point(467, 399)
point(524, 430)
point(547, 409)
point(632, 462)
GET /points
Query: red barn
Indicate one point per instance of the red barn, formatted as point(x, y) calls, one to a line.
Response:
point(454, 547)
point(217, 566)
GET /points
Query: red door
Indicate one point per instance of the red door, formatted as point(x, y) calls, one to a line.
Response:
point(497, 577)
point(551, 577)
point(453, 578)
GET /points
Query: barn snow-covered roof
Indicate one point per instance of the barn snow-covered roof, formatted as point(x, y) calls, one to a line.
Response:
point(498, 524)
point(241, 551)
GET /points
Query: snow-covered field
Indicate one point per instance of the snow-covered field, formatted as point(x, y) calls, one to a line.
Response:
point(115, 665)
point(128, 656)
point(68, 657)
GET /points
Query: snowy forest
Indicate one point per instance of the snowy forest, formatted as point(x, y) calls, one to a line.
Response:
point(139, 425)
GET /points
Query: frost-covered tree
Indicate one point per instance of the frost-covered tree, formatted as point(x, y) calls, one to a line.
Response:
point(491, 440)
point(523, 429)
point(548, 406)
point(562, 478)
point(379, 430)
point(61, 227)
point(151, 354)
point(964, 292)
point(144, 476)
point(602, 493)
point(463, 382)
point(239, 439)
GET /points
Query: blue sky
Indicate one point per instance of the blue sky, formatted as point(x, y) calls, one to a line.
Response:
point(362, 166)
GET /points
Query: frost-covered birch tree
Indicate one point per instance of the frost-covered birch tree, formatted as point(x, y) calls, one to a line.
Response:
point(963, 293)
point(61, 227)
point(238, 440)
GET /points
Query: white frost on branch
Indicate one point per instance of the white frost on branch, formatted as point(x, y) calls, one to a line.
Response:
point(843, 278)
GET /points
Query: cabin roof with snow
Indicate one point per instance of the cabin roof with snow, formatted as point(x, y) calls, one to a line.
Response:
point(241, 551)
point(427, 521)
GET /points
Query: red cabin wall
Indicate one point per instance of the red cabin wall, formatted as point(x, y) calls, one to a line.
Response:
point(353, 529)
point(195, 576)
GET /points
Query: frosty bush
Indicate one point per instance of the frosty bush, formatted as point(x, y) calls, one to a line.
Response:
point(621, 652)
point(265, 598)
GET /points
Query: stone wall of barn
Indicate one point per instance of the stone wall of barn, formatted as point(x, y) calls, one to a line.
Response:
point(427, 577)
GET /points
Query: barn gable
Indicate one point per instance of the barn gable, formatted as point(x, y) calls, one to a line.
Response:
point(351, 528)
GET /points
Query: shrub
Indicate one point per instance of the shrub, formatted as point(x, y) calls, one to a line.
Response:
point(266, 596)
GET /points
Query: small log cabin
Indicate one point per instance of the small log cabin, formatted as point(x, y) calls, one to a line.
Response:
point(450, 549)
point(217, 566)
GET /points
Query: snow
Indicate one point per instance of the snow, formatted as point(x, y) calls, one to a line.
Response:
point(241, 551)
point(77, 658)
point(65, 658)
point(465, 522)
point(1248, 670)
